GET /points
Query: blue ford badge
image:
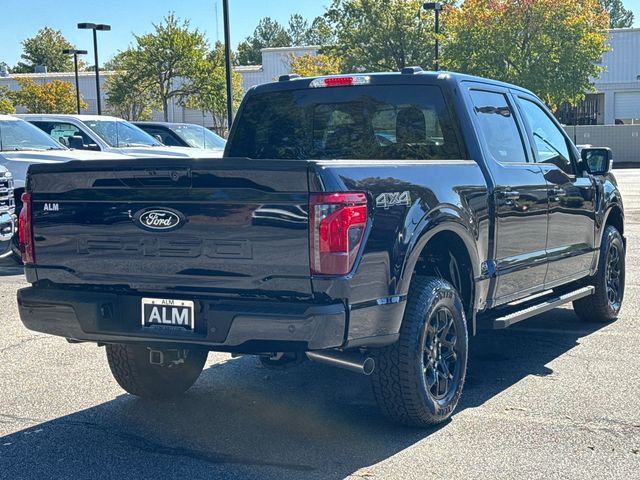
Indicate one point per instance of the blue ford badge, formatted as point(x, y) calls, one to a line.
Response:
point(158, 219)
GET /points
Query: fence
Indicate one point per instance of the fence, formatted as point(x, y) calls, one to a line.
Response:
point(623, 140)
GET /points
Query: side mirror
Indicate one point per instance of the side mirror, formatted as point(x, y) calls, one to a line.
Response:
point(158, 138)
point(76, 142)
point(598, 161)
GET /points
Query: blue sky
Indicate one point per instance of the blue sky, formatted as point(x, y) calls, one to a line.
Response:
point(136, 16)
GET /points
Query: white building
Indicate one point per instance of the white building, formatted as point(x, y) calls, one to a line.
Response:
point(618, 86)
point(616, 99)
point(275, 62)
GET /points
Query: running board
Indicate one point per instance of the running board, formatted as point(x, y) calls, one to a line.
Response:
point(549, 304)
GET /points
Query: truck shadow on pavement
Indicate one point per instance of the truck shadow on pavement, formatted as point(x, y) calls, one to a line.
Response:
point(240, 421)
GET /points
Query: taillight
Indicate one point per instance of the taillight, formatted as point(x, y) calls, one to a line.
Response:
point(336, 226)
point(25, 231)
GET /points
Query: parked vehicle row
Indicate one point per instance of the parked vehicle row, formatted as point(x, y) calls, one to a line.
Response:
point(183, 135)
point(84, 137)
point(110, 134)
point(8, 222)
point(364, 221)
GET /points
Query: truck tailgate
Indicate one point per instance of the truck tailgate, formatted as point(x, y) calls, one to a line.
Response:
point(229, 226)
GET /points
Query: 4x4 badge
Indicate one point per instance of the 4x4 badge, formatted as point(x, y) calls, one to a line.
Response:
point(392, 199)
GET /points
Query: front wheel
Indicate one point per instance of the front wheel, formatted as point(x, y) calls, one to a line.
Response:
point(605, 303)
point(418, 380)
point(152, 373)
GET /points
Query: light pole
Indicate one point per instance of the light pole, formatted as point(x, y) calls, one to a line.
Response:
point(96, 27)
point(227, 58)
point(436, 7)
point(75, 53)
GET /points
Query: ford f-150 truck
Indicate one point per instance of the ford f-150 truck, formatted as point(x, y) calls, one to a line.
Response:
point(366, 221)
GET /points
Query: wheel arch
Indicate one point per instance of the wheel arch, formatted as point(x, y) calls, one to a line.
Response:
point(614, 217)
point(438, 242)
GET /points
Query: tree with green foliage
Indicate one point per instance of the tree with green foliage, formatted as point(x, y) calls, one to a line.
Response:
point(51, 97)
point(298, 30)
point(320, 33)
point(6, 104)
point(45, 48)
point(163, 62)
point(551, 47)
point(315, 65)
point(210, 90)
point(381, 36)
point(268, 33)
point(619, 17)
point(126, 97)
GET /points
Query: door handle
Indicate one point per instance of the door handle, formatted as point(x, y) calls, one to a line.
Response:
point(509, 194)
point(557, 192)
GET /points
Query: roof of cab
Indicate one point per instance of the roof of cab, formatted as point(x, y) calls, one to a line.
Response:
point(416, 76)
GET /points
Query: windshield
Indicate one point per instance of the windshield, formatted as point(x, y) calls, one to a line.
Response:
point(120, 133)
point(21, 135)
point(199, 137)
point(372, 122)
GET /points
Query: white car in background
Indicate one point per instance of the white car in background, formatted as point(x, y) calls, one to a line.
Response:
point(7, 216)
point(22, 144)
point(108, 134)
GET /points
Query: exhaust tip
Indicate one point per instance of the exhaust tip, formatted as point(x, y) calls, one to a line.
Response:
point(349, 361)
point(368, 366)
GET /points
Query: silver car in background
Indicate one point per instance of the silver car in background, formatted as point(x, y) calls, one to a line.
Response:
point(108, 134)
point(7, 212)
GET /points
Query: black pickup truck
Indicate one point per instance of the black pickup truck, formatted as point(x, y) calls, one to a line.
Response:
point(366, 221)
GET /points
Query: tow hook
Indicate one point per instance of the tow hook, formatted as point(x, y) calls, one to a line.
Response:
point(167, 358)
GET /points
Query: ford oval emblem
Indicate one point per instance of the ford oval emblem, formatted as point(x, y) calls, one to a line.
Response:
point(159, 219)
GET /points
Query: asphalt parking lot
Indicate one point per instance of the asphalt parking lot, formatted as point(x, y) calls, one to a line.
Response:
point(549, 398)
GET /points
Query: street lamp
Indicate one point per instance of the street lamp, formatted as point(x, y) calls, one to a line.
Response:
point(96, 27)
point(75, 53)
point(227, 57)
point(436, 7)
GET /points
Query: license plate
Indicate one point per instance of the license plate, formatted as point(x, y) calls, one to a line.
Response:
point(167, 312)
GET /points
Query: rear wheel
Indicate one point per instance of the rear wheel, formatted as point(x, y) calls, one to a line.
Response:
point(151, 373)
point(605, 303)
point(418, 380)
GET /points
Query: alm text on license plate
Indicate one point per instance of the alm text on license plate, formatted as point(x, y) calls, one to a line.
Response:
point(164, 311)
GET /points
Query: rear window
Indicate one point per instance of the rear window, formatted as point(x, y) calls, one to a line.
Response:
point(372, 122)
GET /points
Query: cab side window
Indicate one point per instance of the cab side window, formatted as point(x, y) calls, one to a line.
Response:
point(498, 127)
point(549, 142)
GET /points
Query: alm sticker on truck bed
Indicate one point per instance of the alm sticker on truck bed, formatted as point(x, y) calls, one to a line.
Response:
point(162, 311)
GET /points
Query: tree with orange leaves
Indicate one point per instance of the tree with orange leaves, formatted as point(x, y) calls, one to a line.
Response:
point(52, 97)
point(551, 47)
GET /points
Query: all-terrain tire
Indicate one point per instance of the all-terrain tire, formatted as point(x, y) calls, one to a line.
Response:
point(605, 303)
point(403, 370)
point(131, 367)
